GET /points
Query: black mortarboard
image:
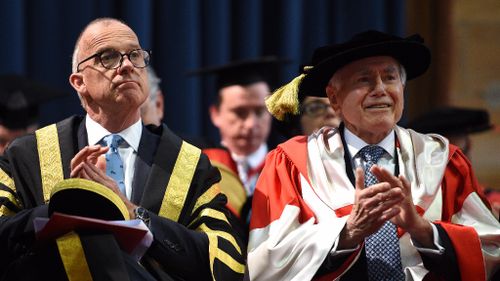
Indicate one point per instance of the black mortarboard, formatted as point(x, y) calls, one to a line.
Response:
point(20, 99)
point(451, 121)
point(244, 72)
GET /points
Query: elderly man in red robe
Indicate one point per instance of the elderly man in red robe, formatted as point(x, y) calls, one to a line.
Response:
point(368, 200)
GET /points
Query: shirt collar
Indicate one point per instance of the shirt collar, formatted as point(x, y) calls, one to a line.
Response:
point(95, 133)
point(355, 144)
point(254, 159)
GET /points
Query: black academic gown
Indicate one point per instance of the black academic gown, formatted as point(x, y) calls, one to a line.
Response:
point(197, 243)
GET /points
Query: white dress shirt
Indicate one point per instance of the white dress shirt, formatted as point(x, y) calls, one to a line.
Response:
point(355, 144)
point(387, 161)
point(127, 150)
point(247, 163)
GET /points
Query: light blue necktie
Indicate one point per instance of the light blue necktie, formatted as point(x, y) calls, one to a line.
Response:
point(382, 248)
point(114, 163)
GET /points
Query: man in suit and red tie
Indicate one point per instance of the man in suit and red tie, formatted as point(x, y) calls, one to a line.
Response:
point(239, 113)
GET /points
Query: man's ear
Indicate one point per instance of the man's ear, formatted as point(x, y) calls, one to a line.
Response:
point(77, 82)
point(214, 115)
point(159, 105)
point(332, 97)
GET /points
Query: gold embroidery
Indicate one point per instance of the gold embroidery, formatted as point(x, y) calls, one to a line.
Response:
point(229, 261)
point(211, 213)
point(73, 257)
point(178, 186)
point(50, 158)
point(212, 249)
point(208, 196)
point(6, 212)
point(215, 252)
point(9, 197)
point(221, 234)
point(5, 179)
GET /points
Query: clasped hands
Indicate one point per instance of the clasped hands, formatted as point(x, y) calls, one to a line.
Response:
point(90, 163)
point(389, 199)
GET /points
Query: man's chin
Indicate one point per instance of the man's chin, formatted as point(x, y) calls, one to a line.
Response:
point(246, 149)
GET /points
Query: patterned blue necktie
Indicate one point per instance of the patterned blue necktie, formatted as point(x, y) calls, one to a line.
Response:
point(114, 164)
point(382, 247)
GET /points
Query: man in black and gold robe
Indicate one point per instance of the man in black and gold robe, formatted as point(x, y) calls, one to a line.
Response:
point(170, 184)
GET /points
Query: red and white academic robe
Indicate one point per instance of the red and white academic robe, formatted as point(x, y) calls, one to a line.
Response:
point(304, 196)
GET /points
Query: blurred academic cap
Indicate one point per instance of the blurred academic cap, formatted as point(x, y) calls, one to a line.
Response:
point(452, 121)
point(244, 72)
point(20, 99)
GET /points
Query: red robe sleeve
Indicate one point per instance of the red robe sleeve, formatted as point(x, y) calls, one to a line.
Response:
point(458, 184)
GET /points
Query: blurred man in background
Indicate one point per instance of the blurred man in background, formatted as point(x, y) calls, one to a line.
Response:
point(240, 114)
point(152, 108)
point(20, 99)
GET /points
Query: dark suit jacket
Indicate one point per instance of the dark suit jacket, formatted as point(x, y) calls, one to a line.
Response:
point(195, 210)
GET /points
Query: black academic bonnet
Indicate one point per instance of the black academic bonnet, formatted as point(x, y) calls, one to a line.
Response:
point(244, 71)
point(20, 99)
point(452, 121)
point(85, 198)
point(313, 79)
point(326, 60)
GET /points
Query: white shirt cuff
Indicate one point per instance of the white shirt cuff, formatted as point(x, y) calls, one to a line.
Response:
point(438, 250)
point(344, 252)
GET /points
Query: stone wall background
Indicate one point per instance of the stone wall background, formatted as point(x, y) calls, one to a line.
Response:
point(464, 36)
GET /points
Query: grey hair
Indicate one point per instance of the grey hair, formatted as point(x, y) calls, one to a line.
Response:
point(402, 74)
point(74, 59)
point(74, 65)
point(154, 83)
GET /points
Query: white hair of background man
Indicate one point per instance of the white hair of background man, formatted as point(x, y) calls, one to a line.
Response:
point(154, 84)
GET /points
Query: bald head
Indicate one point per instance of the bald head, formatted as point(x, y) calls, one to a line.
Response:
point(84, 41)
point(110, 94)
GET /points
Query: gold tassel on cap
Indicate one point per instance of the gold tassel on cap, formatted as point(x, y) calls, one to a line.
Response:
point(286, 99)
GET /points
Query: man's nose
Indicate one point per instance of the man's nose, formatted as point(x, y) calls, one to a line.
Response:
point(379, 87)
point(126, 65)
point(329, 110)
point(251, 120)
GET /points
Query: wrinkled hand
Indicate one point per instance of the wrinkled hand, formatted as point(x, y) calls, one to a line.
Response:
point(373, 206)
point(408, 217)
point(89, 164)
point(88, 154)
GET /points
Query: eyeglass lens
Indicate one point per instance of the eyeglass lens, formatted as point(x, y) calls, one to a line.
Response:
point(315, 108)
point(113, 59)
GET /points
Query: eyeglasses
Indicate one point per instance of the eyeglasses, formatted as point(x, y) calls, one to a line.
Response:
point(314, 108)
point(112, 59)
